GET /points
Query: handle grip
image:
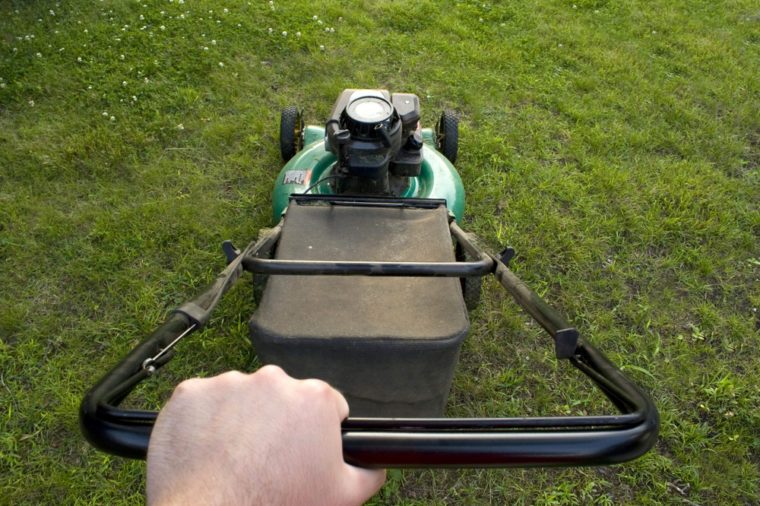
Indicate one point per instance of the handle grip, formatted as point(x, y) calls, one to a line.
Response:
point(436, 442)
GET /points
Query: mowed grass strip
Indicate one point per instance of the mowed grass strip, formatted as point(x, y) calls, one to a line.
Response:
point(614, 145)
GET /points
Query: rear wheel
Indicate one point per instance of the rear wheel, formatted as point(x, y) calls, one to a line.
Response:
point(291, 132)
point(447, 135)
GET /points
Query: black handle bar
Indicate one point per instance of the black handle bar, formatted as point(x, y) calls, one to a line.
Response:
point(402, 442)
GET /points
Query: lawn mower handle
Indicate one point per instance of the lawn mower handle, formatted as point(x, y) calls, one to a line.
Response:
point(413, 442)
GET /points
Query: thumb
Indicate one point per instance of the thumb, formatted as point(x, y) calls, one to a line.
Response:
point(361, 483)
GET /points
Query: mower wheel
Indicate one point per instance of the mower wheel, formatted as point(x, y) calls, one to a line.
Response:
point(291, 132)
point(447, 135)
point(471, 286)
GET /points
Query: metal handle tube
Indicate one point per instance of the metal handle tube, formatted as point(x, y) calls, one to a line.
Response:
point(503, 442)
point(355, 268)
point(545, 441)
point(483, 265)
point(126, 440)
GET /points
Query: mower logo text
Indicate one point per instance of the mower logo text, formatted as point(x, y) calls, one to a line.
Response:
point(296, 177)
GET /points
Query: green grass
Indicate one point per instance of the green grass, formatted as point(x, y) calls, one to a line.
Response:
point(614, 144)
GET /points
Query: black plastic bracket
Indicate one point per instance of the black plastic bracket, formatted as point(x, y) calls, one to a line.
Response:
point(566, 342)
point(230, 251)
point(506, 255)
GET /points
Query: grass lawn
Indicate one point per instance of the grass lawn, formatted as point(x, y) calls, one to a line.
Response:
point(614, 144)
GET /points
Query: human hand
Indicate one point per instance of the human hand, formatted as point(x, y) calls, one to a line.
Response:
point(262, 438)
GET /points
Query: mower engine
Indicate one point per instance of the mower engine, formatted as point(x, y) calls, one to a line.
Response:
point(375, 137)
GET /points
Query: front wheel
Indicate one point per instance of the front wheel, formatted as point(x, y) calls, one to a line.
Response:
point(447, 135)
point(291, 132)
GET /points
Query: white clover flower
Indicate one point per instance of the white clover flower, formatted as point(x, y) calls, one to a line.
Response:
point(239, 25)
point(180, 127)
point(105, 114)
point(162, 27)
point(163, 13)
point(213, 42)
point(270, 29)
point(319, 21)
point(181, 16)
point(79, 59)
point(180, 2)
point(39, 55)
point(31, 103)
point(321, 47)
point(327, 30)
point(315, 17)
point(123, 83)
point(121, 56)
point(332, 30)
point(89, 87)
point(142, 18)
point(221, 64)
point(112, 118)
point(226, 10)
point(134, 98)
point(52, 12)
point(205, 48)
point(284, 34)
point(146, 80)
point(2, 85)
point(298, 34)
point(86, 31)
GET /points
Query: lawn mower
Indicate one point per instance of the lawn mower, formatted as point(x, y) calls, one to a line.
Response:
point(365, 281)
